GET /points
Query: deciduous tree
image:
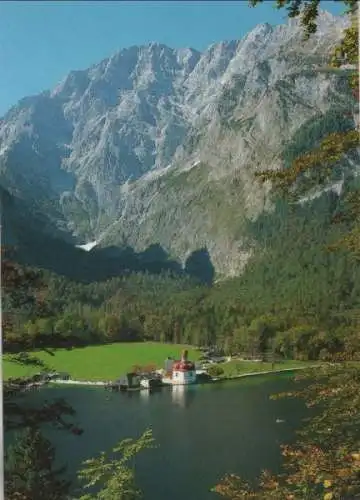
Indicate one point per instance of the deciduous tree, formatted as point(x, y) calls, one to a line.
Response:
point(114, 478)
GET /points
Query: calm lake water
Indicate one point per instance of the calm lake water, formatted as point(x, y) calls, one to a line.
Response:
point(202, 431)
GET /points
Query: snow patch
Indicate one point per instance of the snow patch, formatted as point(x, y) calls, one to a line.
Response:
point(87, 246)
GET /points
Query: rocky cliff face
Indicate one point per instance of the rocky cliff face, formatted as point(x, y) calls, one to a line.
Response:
point(155, 145)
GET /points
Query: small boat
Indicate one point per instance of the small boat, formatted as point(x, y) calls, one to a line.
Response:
point(150, 383)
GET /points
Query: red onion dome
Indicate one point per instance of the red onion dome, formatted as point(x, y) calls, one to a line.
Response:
point(183, 366)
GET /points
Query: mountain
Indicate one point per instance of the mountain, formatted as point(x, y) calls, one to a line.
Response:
point(159, 146)
point(28, 239)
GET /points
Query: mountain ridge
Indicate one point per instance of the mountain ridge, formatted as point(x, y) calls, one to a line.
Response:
point(160, 145)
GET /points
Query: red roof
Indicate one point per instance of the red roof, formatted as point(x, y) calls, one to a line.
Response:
point(183, 366)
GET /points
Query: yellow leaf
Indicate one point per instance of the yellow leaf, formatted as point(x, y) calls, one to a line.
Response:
point(327, 483)
point(343, 473)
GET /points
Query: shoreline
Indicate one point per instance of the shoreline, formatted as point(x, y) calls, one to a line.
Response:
point(267, 372)
point(97, 383)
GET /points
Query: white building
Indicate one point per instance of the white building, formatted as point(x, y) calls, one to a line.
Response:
point(183, 371)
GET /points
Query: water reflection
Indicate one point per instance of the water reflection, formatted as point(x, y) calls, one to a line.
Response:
point(182, 395)
point(145, 394)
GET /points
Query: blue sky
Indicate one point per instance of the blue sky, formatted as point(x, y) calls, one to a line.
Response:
point(40, 42)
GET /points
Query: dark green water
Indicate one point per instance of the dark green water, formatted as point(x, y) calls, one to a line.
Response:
point(203, 431)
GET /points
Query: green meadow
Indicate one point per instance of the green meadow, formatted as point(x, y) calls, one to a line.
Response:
point(235, 367)
point(103, 362)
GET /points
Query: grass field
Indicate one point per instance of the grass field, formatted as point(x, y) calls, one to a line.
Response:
point(105, 362)
point(238, 367)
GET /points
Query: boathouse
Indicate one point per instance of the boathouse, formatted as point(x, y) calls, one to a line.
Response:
point(129, 381)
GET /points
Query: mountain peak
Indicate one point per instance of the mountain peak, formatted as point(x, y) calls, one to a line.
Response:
point(262, 29)
point(157, 45)
point(213, 116)
point(324, 21)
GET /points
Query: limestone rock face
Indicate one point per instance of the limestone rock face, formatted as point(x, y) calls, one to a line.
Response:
point(156, 145)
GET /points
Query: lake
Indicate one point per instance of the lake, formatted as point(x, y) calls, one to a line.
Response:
point(203, 431)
